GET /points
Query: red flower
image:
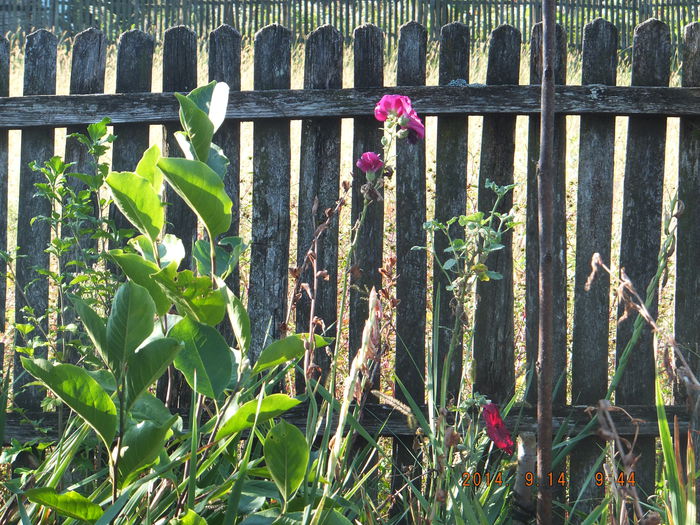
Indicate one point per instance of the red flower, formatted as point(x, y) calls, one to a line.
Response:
point(496, 429)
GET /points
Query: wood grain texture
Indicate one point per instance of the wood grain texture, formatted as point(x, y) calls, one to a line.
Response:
point(383, 420)
point(687, 307)
point(134, 75)
point(411, 265)
point(157, 108)
point(369, 72)
point(4, 176)
point(179, 74)
point(225, 66)
point(494, 344)
point(559, 231)
point(267, 295)
point(32, 238)
point(590, 347)
point(641, 226)
point(87, 75)
point(450, 194)
point(319, 180)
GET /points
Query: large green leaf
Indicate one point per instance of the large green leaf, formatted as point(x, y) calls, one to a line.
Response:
point(197, 125)
point(138, 201)
point(148, 169)
point(141, 445)
point(228, 252)
point(79, 391)
point(213, 100)
point(140, 271)
point(216, 160)
point(94, 326)
point(191, 518)
point(203, 191)
point(240, 322)
point(193, 296)
point(147, 364)
point(244, 417)
point(286, 455)
point(205, 351)
point(129, 323)
point(71, 504)
point(283, 350)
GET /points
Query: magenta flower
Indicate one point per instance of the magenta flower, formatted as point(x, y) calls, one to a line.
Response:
point(496, 429)
point(416, 129)
point(399, 107)
point(396, 105)
point(370, 162)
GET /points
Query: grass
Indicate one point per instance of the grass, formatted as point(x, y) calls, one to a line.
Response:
point(477, 75)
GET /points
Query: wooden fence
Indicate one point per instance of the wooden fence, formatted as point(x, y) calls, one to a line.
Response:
point(322, 104)
point(302, 16)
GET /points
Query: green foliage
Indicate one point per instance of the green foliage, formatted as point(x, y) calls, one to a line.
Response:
point(206, 353)
point(286, 455)
point(71, 504)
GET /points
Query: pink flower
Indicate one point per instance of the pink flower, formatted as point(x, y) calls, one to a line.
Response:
point(416, 129)
point(496, 429)
point(369, 162)
point(396, 105)
point(399, 106)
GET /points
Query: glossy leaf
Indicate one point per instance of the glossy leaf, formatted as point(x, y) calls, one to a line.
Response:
point(207, 352)
point(140, 271)
point(138, 201)
point(283, 350)
point(240, 322)
point(197, 125)
point(286, 455)
point(71, 504)
point(216, 160)
point(203, 191)
point(79, 391)
point(213, 100)
point(147, 364)
point(193, 296)
point(94, 326)
point(228, 252)
point(129, 323)
point(244, 417)
point(142, 443)
point(148, 168)
point(171, 249)
point(192, 518)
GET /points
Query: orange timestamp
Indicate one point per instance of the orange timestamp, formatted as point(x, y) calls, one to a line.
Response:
point(621, 479)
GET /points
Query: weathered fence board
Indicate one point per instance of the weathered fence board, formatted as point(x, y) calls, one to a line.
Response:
point(532, 248)
point(179, 74)
point(319, 181)
point(687, 307)
point(367, 134)
point(559, 230)
point(641, 227)
point(590, 346)
point(269, 255)
point(32, 238)
point(411, 266)
point(157, 108)
point(225, 66)
point(4, 182)
point(494, 343)
point(134, 74)
point(450, 198)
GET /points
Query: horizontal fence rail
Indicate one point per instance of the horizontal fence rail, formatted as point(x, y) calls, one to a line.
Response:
point(321, 105)
point(156, 108)
point(302, 16)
